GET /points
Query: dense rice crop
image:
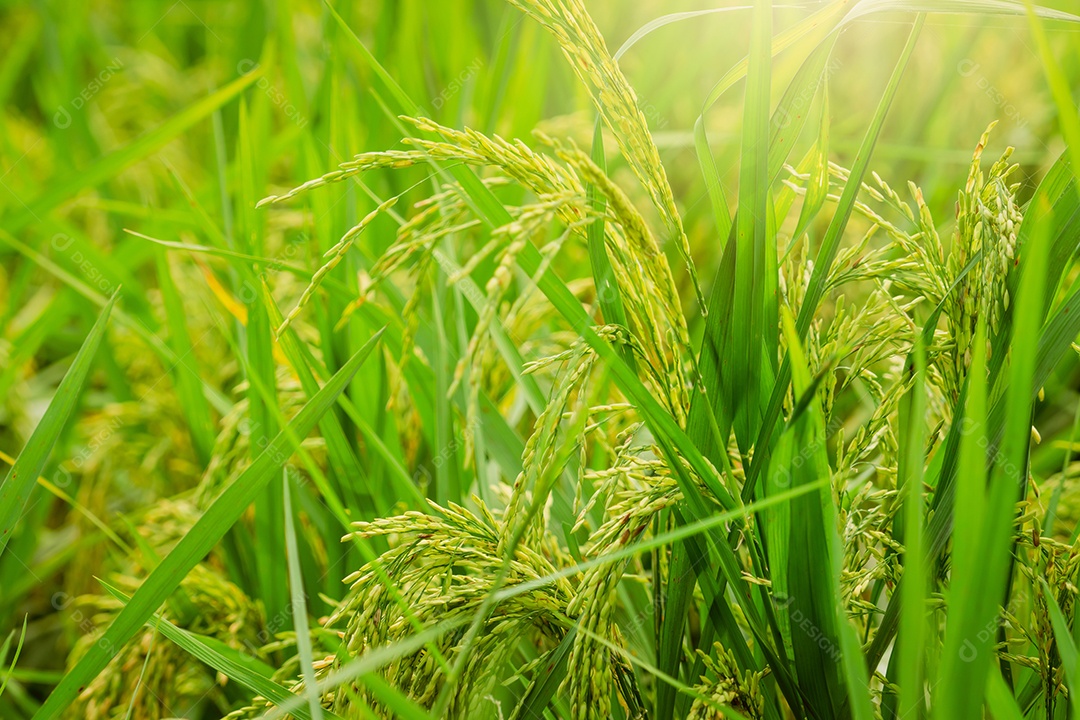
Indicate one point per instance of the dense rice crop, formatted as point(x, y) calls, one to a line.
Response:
point(432, 359)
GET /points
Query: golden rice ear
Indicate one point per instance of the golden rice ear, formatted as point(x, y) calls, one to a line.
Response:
point(731, 687)
point(988, 221)
point(644, 276)
point(615, 100)
point(408, 587)
point(336, 255)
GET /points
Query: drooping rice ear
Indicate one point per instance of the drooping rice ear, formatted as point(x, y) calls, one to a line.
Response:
point(572, 26)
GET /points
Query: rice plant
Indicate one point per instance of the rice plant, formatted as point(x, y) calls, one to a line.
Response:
point(426, 369)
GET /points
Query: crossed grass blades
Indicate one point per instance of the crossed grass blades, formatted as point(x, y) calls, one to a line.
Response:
point(822, 508)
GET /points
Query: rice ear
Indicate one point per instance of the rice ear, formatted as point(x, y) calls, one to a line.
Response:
point(585, 50)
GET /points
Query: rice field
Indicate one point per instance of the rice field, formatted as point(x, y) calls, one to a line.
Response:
point(540, 359)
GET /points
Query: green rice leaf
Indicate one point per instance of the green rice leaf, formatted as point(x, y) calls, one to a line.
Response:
point(297, 596)
point(999, 698)
point(811, 603)
point(20, 480)
point(751, 236)
point(913, 624)
point(189, 385)
point(954, 694)
point(607, 287)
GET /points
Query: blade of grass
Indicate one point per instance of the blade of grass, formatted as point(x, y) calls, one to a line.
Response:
point(748, 310)
point(343, 459)
point(952, 696)
point(77, 506)
point(448, 487)
point(14, 658)
point(811, 602)
point(791, 115)
point(189, 386)
point(607, 287)
point(721, 213)
point(20, 480)
point(261, 369)
point(817, 190)
point(299, 605)
point(713, 185)
point(815, 29)
point(676, 606)
point(989, 7)
point(831, 242)
point(912, 441)
point(999, 698)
